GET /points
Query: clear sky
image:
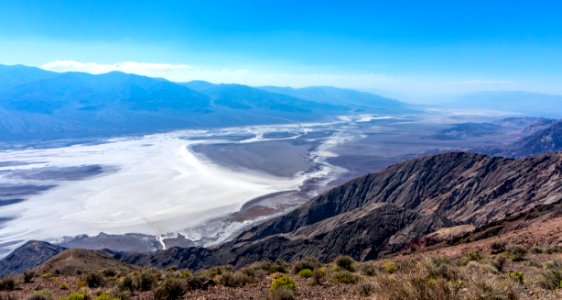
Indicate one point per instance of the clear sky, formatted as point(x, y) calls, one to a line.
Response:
point(406, 47)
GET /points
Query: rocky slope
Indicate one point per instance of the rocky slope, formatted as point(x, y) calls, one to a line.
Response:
point(383, 213)
point(29, 255)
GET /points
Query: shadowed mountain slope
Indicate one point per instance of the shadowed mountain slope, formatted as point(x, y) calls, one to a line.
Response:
point(386, 212)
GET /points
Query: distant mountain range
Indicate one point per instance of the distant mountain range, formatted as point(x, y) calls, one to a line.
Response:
point(38, 104)
point(451, 196)
point(543, 136)
point(523, 103)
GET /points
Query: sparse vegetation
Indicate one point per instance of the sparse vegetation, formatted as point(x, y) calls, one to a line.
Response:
point(308, 262)
point(305, 273)
point(170, 289)
point(346, 277)
point(345, 262)
point(7, 284)
point(390, 267)
point(94, 280)
point(473, 276)
point(517, 253)
point(28, 276)
point(516, 275)
point(284, 281)
point(41, 295)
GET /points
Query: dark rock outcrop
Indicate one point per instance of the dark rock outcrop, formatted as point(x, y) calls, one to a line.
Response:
point(381, 213)
point(29, 255)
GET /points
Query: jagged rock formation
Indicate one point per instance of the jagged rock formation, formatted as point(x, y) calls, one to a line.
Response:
point(381, 213)
point(29, 255)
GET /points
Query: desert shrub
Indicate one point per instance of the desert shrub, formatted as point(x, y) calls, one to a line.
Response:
point(497, 248)
point(64, 286)
point(234, 279)
point(7, 284)
point(366, 289)
point(305, 273)
point(470, 256)
point(436, 268)
point(199, 282)
point(109, 273)
point(499, 262)
point(516, 253)
point(283, 281)
point(368, 269)
point(345, 262)
point(170, 289)
point(28, 276)
point(263, 268)
point(283, 293)
point(81, 283)
point(307, 262)
point(550, 279)
point(516, 275)
point(77, 296)
point(318, 276)
point(185, 273)
point(146, 281)
point(481, 287)
point(415, 287)
point(127, 283)
point(346, 277)
point(213, 272)
point(94, 280)
point(41, 295)
point(390, 267)
point(105, 296)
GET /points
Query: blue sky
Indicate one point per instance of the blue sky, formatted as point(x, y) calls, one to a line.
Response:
point(412, 48)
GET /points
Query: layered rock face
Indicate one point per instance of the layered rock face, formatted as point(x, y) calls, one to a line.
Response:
point(414, 203)
point(379, 214)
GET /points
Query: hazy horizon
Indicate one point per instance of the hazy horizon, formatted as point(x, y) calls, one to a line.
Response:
point(421, 52)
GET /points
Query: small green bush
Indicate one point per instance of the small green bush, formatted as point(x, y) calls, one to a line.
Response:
point(517, 253)
point(28, 276)
point(283, 293)
point(345, 262)
point(94, 280)
point(283, 281)
point(109, 273)
point(305, 273)
point(7, 284)
point(368, 269)
point(105, 296)
point(170, 289)
point(146, 281)
point(234, 279)
point(346, 277)
point(470, 256)
point(518, 276)
point(499, 262)
point(318, 276)
point(64, 286)
point(307, 262)
point(127, 283)
point(551, 279)
point(77, 296)
point(390, 267)
point(199, 282)
point(366, 289)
